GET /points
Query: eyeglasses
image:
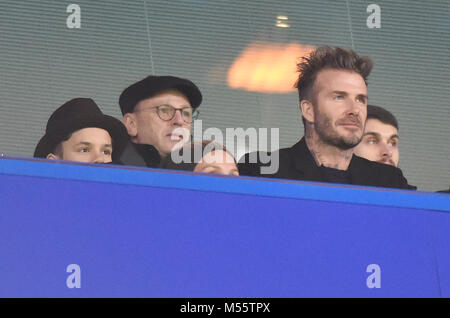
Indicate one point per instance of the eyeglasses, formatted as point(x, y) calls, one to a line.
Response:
point(167, 112)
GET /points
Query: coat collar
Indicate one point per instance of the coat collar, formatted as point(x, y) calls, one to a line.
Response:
point(140, 155)
point(305, 163)
point(149, 153)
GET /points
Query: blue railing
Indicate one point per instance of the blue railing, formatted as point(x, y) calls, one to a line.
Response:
point(137, 232)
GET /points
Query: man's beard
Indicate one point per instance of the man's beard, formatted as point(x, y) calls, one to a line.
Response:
point(328, 134)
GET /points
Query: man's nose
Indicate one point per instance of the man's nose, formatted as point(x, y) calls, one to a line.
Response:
point(385, 150)
point(100, 157)
point(354, 108)
point(178, 117)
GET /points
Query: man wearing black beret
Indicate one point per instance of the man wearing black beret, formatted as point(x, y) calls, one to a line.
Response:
point(79, 131)
point(158, 112)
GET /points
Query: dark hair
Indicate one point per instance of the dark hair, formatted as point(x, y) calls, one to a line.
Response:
point(383, 115)
point(203, 147)
point(327, 57)
point(58, 148)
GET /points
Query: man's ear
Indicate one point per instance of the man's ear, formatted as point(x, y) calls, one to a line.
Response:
point(307, 110)
point(52, 156)
point(129, 120)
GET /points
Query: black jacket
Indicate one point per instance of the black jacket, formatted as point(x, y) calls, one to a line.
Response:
point(298, 163)
point(140, 155)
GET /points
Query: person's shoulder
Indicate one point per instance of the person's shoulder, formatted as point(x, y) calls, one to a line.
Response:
point(384, 174)
point(373, 165)
point(253, 163)
point(140, 155)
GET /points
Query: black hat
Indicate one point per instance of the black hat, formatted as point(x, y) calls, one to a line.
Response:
point(152, 85)
point(77, 114)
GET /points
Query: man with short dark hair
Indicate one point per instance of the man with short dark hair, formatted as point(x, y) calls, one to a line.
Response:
point(158, 112)
point(333, 99)
point(380, 138)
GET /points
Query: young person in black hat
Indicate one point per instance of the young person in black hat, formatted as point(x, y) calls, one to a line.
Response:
point(158, 112)
point(79, 131)
point(332, 89)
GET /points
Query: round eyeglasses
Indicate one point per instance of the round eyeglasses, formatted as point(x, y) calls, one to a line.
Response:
point(167, 113)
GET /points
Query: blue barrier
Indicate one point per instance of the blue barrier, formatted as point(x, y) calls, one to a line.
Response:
point(137, 232)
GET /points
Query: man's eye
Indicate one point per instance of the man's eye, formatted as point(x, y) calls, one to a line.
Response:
point(84, 149)
point(107, 152)
point(187, 113)
point(393, 143)
point(164, 110)
point(361, 100)
point(338, 97)
point(371, 141)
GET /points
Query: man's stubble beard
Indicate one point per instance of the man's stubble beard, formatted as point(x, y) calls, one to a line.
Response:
point(328, 134)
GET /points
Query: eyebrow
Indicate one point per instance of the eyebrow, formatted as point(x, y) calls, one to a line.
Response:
point(374, 134)
point(216, 168)
point(155, 107)
point(85, 143)
point(377, 135)
point(346, 94)
point(213, 166)
point(339, 92)
point(184, 106)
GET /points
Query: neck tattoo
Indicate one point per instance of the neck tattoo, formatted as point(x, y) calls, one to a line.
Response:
point(338, 160)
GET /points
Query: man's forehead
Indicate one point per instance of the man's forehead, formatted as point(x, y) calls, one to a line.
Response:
point(376, 126)
point(90, 134)
point(340, 80)
point(218, 156)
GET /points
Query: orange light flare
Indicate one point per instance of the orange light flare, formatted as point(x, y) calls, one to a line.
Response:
point(267, 67)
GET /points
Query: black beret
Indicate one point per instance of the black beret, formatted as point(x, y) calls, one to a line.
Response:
point(152, 85)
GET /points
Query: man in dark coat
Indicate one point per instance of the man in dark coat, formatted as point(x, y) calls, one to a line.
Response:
point(333, 100)
point(158, 112)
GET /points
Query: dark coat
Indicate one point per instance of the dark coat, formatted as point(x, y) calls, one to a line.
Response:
point(140, 155)
point(298, 163)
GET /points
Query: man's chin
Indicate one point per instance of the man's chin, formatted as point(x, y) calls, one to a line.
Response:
point(344, 142)
point(348, 143)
